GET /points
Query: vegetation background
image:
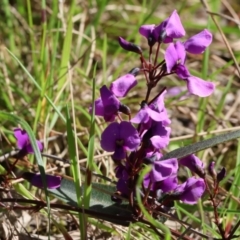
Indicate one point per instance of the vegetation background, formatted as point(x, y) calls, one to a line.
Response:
point(56, 49)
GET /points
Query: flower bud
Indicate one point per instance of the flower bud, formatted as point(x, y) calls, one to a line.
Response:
point(211, 170)
point(200, 172)
point(151, 40)
point(135, 71)
point(129, 46)
point(221, 175)
point(124, 109)
point(194, 164)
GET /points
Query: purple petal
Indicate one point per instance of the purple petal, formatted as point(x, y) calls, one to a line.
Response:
point(191, 162)
point(23, 142)
point(180, 188)
point(193, 190)
point(99, 108)
point(121, 172)
point(110, 102)
point(119, 153)
point(199, 42)
point(182, 72)
point(199, 87)
point(171, 57)
point(29, 149)
point(158, 104)
point(130, 136)
point(141, 117)
point(158, 134)
point(174, 27)
point(163, 169)
point(156, 155)
point(181, 52)
point(175, 54)
point(108, 98)
point(156, 116)
point(36, 180)
point(173, 162)
point(159, 32)
point(129, 46)
point(159, 142)
point(168, 184)
point(22, 137)
point(158, 129)
point(147, 180)
point(146, 30)
point(109, 137)
point(123, 85)
point(53, 181)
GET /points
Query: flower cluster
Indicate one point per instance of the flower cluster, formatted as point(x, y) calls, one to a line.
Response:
point(139, 141)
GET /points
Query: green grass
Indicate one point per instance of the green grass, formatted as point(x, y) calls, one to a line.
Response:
point(52, 68)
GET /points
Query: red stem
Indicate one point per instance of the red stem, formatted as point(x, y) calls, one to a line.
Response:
point(222, 232)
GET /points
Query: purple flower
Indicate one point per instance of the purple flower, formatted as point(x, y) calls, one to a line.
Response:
point(160, 171)
point(122, 85)
point(175, 57)
point(146, 115)
point(167, 184)
point(158, 135)
point(107, 105)
point(194, 164)
point(165, 32)
point(119, 138)
point(147, 31)
point(129, 46)
point(169, 29)
point(199, 42)
point(158, 106)
point(190, 191)
point(23, 142)
point(36, 180)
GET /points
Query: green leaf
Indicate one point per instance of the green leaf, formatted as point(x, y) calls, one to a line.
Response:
point(199, 146)
point(100, 202)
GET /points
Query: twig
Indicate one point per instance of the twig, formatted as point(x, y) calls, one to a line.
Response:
point(221, 230)
point(222, 34)
point(224, 16)
point(42, 204)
